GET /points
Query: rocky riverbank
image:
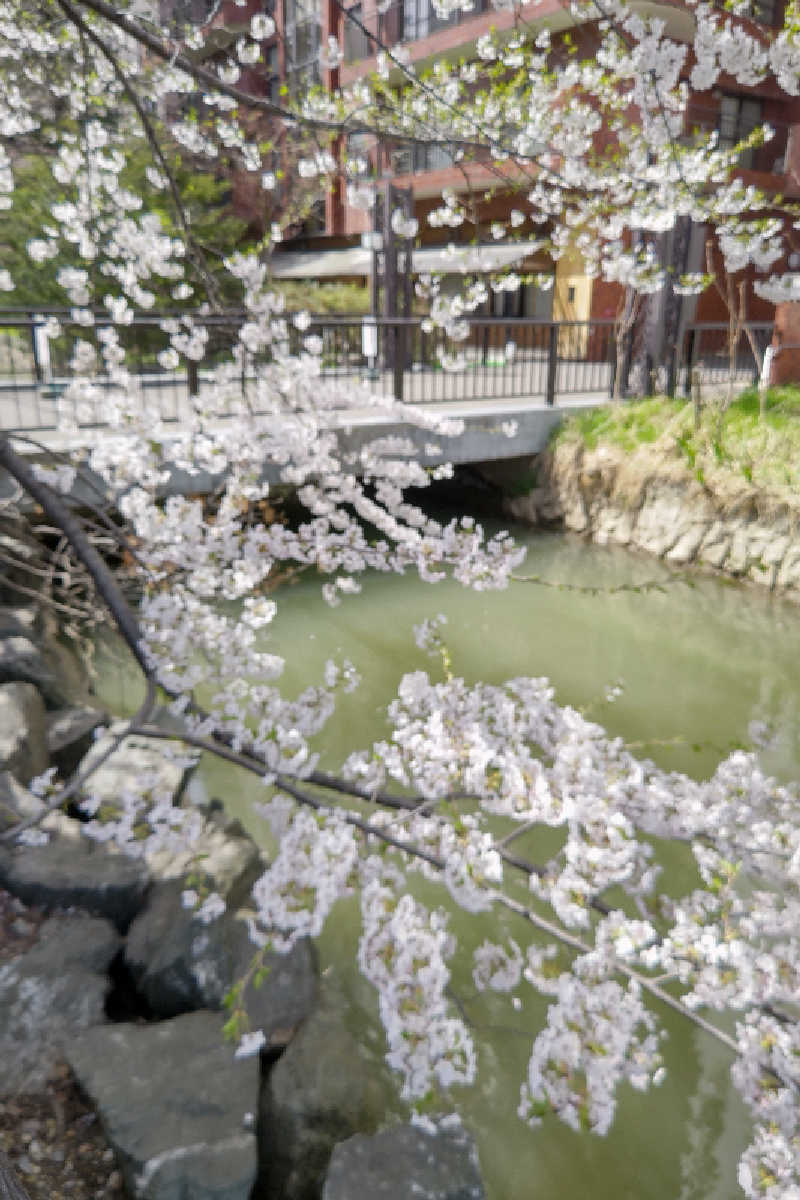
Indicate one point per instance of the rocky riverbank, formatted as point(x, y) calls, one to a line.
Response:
point(112, 990)
point(650, 498)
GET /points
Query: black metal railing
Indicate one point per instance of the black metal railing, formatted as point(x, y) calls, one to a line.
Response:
point(498, 358)
point(489, 358)
point(706, 354)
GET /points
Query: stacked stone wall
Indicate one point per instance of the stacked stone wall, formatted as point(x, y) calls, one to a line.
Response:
point(648, 503)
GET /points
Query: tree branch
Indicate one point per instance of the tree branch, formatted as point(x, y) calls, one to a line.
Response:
point(155, 146)
point(104, 581)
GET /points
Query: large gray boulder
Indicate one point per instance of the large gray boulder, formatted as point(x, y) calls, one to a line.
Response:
point(179, 964)
point(175, 1104)
point(139, 764)
point(18, 620)
point(23, 743)
point(50, 994)
point(71, 871)
point(324, 1088)
point(228, 863)
point(428, 1162)
point(16, 802)
point(48, 668)
point(70, 735)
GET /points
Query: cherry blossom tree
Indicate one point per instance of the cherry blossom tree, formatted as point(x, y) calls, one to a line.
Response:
point(464, 770)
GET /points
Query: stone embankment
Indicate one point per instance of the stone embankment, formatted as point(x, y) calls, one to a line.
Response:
point(128, 986)
point(648, 500)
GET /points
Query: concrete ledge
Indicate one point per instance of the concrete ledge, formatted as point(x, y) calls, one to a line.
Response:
point(483, 439)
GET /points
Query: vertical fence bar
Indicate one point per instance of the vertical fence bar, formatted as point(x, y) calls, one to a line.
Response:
point(399, 364)
point(552, 366)
point(527, 360)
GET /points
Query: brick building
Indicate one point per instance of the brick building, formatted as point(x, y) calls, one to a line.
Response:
point(328, 244)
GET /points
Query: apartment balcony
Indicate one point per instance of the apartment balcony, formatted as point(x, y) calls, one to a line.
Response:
point(403, 21)
point(765, 12)
point(733, 121)
point(427, 36)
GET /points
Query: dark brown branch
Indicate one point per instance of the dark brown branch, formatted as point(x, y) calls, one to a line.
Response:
point(104, 581)
point(289, 786)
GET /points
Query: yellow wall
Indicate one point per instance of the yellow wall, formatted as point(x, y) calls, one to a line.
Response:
point(575, 305)
point(572, 301)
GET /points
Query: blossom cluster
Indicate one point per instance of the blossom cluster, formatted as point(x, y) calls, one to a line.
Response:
point(467, 774)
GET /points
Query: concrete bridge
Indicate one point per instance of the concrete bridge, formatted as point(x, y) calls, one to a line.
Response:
point(513, 383)
point(494, 429)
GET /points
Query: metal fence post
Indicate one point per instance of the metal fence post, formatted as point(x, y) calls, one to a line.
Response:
point(37, 366)
point(552, 366)
point(399, 361)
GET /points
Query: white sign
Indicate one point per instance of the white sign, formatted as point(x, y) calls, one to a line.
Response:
point(41, 350)
point(369, 339)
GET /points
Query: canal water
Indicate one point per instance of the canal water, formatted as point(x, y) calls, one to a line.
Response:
point(693, 662)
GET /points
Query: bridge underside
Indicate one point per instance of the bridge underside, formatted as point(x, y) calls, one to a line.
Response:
point(493, 430)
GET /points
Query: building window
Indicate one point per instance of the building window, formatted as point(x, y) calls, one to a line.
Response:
point(763, 11)
point(420, 19)
point(301, 43)
point(314, 223)
point(738, 117)
point(356, 43)
point(177, 14)
point(766, 12)
point(409, 160)
point(272, 73)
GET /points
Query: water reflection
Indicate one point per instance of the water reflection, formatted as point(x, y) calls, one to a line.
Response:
point(699, 662)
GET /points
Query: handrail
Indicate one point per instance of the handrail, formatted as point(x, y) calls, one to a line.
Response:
point(23, 317)
point(724, 325)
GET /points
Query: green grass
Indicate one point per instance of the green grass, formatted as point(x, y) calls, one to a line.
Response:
point(763, 451)
point(627, 425)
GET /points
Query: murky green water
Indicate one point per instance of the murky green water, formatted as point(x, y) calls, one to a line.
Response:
point(698, 662)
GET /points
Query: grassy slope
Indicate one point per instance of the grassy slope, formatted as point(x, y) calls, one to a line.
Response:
point(738, 443)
